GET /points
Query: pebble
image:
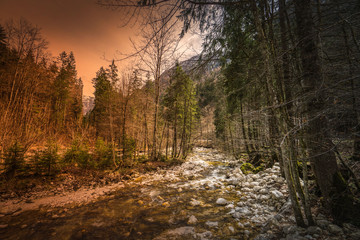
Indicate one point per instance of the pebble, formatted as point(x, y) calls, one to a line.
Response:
point(194, 202)
point(276, 194)
point(334, 229)
point(323, 223)
point(229, 206)
point(192, 220)
point(212, 224)
point(240, 225)
point(221, 201)
point(314, 230)
point(2, 226)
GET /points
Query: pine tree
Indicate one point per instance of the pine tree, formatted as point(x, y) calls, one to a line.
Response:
point(181, 111)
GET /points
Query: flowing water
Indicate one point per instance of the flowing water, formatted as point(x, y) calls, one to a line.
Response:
point(180, 203)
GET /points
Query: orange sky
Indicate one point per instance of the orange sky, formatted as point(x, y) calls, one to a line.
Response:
point(81, 26)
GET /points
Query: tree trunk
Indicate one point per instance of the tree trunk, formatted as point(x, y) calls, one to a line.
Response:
point(322, 157)
point(243, 130)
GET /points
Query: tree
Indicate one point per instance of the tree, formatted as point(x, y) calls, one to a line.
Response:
point(156, 52)
point(181, 111)
point(101, 109)
point(67, 107)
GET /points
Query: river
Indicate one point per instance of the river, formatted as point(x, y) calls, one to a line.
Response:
point(207, 197)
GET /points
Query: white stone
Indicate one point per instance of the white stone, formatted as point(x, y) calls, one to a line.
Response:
point(243, 210)
point(221, 201)
point(212, 224)
point(257, 188)
point(229, 205)
point(264, 191)
point(253, 184)
point(237, 215)
point(277, 194)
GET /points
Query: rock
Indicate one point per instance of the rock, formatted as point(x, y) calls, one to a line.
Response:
point(355, 235)
point(230, 206)
point(263, 191)
point(212, 224)
point(243, 210)
point(240, 225)
point(194, 202)
point(176, 233)
point(276, 194)
point(349, 228)
point(232, 229)
point(323, 223)
point(23, 226)
point(166, 204)
point(2, 226)
point(253, 184)
point(205, 235)
point(237, 215)
point(247, 232)
point(256, 188)
point(295, 237)
point(262, 237)
point(314, 230)
point(264, 197)
point(335, 229)
point(221, 201)
point(289, 229)
point(192, 220)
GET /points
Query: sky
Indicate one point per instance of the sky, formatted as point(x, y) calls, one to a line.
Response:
point(92, 32)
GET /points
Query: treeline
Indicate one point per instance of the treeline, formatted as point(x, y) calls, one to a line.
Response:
point(42, 127)
point(40, 98)
point(288, 91)
point(124, 108)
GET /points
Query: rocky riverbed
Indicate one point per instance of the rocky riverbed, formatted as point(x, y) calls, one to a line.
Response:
point(207, 197)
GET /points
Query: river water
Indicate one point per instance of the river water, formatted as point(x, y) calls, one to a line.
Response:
point(204, 198)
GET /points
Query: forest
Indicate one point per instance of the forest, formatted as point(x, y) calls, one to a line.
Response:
point(276, 84)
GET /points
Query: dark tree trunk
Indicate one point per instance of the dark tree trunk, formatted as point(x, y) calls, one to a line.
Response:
point(322, 157)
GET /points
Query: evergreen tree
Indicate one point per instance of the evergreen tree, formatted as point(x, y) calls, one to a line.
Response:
point(181, 111)
point(101, 111)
